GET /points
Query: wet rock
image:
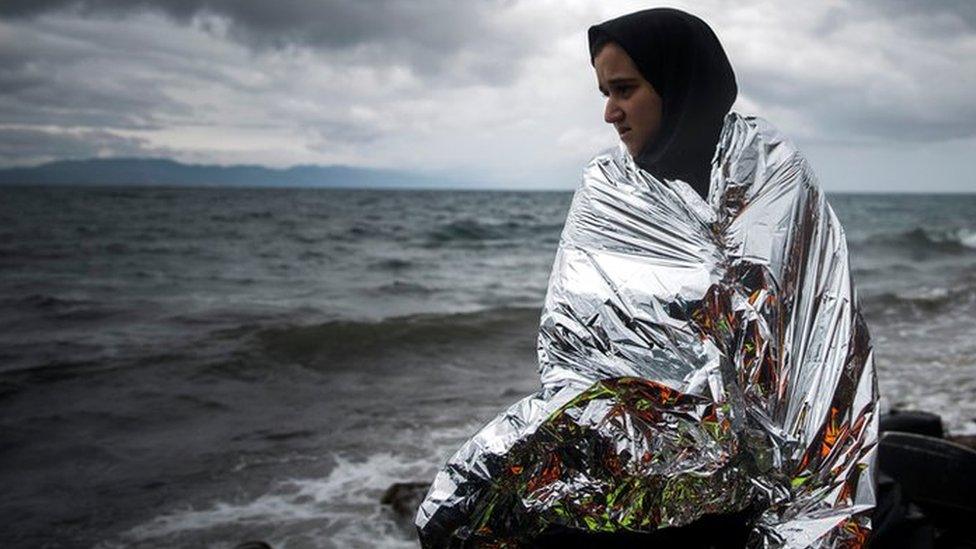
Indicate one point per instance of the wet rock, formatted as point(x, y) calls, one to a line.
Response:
point(404, 498)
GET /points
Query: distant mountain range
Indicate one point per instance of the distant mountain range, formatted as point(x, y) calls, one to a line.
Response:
point(162, 172)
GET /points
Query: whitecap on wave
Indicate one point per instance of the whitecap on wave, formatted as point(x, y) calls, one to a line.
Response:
point(342, 509)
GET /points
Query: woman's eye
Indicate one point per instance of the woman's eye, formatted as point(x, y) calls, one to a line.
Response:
point(617, 91)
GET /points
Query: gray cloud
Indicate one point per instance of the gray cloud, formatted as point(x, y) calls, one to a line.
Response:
point(72, 104)
point(73, 76)
point(936, 17)
point(446, 85)
point(875, 72)
point(17, 144)
point(434, 38)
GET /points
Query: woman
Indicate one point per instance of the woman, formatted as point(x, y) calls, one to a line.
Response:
point(703, 361)
point(669, 87)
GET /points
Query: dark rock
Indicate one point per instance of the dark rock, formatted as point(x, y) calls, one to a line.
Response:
point(937, 475)
point(912, 421)
point(253, 545)
point(404, 498)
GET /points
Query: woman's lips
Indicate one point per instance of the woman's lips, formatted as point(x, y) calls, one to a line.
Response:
point(623, 132)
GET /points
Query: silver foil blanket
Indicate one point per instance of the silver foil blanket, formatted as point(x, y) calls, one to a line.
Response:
point(696, 358)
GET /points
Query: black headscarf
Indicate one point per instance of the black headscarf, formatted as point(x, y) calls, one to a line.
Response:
point(682, 58)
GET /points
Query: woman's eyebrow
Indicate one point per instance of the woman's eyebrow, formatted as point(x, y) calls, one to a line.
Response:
point(617, 81)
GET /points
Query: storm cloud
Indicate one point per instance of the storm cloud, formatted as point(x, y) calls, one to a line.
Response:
point(499, 89)
point(433, 37)
point(16, 143)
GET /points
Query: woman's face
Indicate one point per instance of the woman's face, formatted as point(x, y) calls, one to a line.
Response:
point(633, 107)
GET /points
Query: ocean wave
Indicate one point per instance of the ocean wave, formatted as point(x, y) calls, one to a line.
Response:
point(332, 342)
point(931, 300)
point(883, 269)
point(61, 308)
point(305, 238)
point(925, 299)
point(952, 240)
point(401, 288)
point(239, 217)
point(312, 255)
point(46, 302)
point(24, 252)
point(51, 372)
point(472, 231)
point(346, 502)
point(393, 264)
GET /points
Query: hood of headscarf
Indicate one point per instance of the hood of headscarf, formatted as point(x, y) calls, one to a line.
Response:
point(682, 58)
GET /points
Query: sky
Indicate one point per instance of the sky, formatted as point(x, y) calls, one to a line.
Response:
point(878, 94)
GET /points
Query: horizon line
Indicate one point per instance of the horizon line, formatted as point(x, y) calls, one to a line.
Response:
point(197, 186)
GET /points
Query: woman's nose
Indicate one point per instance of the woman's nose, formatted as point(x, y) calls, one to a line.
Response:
point(612, 113)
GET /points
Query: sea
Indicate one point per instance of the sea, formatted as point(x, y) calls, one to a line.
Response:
point(199, 367)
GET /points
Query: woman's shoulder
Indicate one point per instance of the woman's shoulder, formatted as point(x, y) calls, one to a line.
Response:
point(610, 165)
point(755, 158)
point(751, 130)
point(615, 155)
